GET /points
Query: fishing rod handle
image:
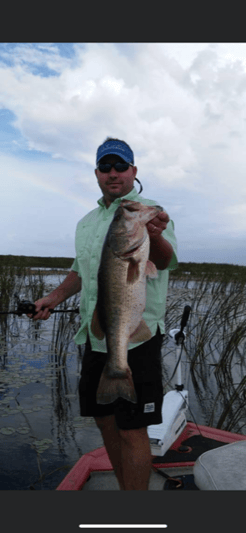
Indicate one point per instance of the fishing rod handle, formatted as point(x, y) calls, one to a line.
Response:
point(185, 317)
point(62, 310)
point(26, 307)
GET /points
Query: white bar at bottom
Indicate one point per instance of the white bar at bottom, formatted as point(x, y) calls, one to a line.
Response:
point(123, 525)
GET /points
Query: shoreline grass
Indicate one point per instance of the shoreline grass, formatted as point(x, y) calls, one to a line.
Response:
point(190, 270)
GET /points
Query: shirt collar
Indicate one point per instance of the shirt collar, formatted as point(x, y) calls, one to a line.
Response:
point(132, 195)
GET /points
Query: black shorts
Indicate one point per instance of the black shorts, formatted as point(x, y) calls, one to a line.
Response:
point(145, 364)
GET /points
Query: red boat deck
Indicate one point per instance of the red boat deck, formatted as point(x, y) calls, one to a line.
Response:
point(98, 460)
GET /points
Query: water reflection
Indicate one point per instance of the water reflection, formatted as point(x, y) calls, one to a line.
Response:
point(40, 368)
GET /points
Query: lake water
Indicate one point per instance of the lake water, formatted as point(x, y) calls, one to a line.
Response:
point(41, 432)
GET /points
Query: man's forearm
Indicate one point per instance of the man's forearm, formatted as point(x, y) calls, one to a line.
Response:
point(70, 286)
point(161, 252)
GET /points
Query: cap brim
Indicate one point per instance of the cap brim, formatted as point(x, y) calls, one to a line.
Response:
point(126, 159)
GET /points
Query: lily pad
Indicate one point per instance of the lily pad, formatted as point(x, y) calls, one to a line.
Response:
point(7, 430)
point(13, 411)
point(43, 448)
point(42, 445)
point(23, 430)
point(7, 399)
point(47, 441)
point(42, 442)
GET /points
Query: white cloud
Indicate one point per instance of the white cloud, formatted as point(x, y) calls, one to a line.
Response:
point(179, 105)
point(239, 209)
point(52, 178)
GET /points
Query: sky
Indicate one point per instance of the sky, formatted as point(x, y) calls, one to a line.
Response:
point(180, 106)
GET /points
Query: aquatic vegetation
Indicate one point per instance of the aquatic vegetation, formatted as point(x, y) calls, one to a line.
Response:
point(42, 445)
point(40, 364)
point(7, 430)
point(215, 346)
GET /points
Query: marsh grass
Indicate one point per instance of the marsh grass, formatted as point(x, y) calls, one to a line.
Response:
point(11, 279)
point(215, 345)
point(38, 352)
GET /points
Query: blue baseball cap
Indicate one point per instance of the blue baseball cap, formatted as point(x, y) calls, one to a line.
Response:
point(117, 148)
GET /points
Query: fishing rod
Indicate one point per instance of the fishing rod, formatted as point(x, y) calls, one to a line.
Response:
point(26, 307)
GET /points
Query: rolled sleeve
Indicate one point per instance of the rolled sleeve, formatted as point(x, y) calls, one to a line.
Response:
point(75, 266)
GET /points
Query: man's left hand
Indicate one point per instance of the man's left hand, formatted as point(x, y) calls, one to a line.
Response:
point(156, 226)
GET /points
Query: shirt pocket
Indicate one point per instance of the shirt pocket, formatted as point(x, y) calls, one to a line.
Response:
point(84, 240)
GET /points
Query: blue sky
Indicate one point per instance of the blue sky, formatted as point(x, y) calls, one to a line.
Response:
point(180, 106)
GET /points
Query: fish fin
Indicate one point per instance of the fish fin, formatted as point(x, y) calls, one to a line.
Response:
point(111, 388)
point(133, 271)
point(151, 270)
point(141, 334)
point(95, 326)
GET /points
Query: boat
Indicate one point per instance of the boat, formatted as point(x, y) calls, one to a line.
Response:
point(191, 463)
point(185, 455)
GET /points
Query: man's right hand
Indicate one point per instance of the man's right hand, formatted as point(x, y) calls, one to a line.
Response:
point(46, 303)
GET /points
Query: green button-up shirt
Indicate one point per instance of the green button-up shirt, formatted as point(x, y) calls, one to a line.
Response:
point(90, 234)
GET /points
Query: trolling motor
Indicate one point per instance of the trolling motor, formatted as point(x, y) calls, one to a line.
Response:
point(179, 337)
point(175, 402)
point(25, 307)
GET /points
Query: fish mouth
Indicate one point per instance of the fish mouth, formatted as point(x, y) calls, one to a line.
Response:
point(131, 250)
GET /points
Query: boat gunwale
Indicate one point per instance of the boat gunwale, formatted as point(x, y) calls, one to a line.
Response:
point(98, 461)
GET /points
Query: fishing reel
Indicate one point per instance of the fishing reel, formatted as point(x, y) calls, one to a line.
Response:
point(24, 307)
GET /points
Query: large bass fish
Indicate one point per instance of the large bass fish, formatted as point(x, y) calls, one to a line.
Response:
point(122, 295)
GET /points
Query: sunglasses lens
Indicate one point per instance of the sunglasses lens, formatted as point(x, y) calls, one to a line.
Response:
point(104, 167)
point(121, 167)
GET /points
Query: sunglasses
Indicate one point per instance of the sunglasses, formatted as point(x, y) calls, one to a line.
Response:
point(119, 167)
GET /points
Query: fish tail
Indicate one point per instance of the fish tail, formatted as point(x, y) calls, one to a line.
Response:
point(116, 385)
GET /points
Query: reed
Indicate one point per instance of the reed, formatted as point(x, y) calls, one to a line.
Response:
point(11, 279)
point(215, 345)
point(64, 327)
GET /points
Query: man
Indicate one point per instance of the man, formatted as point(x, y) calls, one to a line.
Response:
point(123, 425)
